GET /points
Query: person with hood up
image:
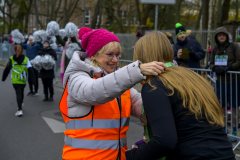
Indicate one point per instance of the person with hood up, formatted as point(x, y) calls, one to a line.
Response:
point(98, 98)
point(21, 69)
point(47, 75)
point(31, 52)
point(194, 52)
point(232, 52)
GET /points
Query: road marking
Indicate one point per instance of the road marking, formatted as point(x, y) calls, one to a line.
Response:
point(56, 126)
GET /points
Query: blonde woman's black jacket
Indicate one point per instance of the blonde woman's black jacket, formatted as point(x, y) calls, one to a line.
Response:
point(178, 135)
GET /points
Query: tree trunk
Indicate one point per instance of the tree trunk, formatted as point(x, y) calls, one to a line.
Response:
point(178, 10)
point(96, 14)
point(36, 14)
point(205, 5)
point(64, 22)
point(100, 14)
point(225, 10)
point(236, 16)
point(199, 18)
point(138, 12)
point(219, 14)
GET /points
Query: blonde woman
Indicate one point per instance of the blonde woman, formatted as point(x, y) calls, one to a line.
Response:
point(99, 99)
point(183, 112)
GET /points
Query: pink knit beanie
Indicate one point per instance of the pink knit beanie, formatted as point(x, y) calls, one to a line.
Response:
point(93, 41)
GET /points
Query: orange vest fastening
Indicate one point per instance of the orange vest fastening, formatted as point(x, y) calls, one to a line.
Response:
point(100, 135)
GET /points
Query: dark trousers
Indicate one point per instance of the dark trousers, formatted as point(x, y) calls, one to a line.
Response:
point(19, 88)
point(48, 85)
point(31, 83)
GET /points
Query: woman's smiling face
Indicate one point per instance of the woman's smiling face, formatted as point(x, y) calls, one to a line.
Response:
point(109, 57)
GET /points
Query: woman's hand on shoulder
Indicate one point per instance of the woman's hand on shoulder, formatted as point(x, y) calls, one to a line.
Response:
point(153, 68)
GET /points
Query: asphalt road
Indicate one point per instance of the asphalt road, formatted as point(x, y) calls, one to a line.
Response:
point(38, 135)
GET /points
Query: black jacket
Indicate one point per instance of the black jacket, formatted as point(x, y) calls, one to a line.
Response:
point(19, 60)
point(196, 49)
point(171, 40)
point(178, 135)
point(47, 73)
point(191, 36)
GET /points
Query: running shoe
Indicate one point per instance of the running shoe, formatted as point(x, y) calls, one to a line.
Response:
point(35, 94)
point(30, 94)
point(233, 139)
point(18, 113)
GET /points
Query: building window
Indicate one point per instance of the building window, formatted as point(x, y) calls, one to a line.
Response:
point(87, 16)
point(124, 17)
point(99, 19)
point(134, 21)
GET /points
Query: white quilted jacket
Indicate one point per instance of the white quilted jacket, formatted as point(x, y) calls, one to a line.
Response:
point(84, 91)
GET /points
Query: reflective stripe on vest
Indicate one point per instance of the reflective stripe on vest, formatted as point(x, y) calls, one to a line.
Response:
point(99, 135)
point(94, 144)
point(97, 123)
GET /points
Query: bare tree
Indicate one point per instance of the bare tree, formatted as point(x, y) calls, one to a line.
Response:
point(205, 5)
point(236, 16)
point(96, 13)
point(225, 10)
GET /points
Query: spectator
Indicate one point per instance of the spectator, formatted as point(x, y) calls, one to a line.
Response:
point(21, 68)
point(232, 53)
point(169, 36)
point(238, 39)
point(64, 59)
point(59, 47)
point(47, 75)
point(194, 54)
point(138, 35)
point(5, 46)
point(31, 52)
point(190, 35)
point(10, 39)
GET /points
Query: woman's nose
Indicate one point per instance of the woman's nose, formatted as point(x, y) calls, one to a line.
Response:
point(115, 60)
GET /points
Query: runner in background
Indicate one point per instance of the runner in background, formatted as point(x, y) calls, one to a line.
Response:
point(21, 69)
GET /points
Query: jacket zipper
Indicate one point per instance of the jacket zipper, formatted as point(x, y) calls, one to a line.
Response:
point(119, 142)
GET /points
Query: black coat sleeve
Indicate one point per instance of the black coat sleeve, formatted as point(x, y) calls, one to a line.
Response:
point(31, 75)
point(160, 118)
point(200, 53)
point(54, 55)
point(59, 39)
point(7, 70)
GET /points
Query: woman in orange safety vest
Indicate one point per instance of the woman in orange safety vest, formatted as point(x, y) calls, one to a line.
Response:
point(98, 98)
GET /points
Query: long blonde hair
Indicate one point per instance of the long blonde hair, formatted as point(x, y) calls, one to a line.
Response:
point(196, 92)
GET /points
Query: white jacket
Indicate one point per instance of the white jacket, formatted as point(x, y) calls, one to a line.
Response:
point(84, 91)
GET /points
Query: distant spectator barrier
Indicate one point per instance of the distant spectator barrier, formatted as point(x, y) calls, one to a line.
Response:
point(227, 89)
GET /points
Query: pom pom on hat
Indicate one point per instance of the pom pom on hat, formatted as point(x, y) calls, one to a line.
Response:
point(82, 31)
point(178, 25)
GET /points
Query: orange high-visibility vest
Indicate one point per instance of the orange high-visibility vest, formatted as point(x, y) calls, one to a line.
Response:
point(100, 135)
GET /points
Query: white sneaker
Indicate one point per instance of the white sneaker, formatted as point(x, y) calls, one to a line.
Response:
point(36, 94)
point(18, 113)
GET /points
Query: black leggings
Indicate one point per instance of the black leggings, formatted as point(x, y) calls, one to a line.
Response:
point(19, 88)
point(31, 83)
point(48, 85)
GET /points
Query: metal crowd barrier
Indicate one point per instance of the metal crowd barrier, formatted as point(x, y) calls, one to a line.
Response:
point(228, 95)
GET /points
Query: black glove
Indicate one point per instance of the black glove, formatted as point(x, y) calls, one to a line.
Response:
point(229, 68)
point(191, 53)
point(218, 70)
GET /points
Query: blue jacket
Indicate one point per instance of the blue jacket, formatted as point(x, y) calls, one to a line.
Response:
point(197, 53)
point(31, 51)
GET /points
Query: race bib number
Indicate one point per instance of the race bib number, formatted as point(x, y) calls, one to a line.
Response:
point(221, 60)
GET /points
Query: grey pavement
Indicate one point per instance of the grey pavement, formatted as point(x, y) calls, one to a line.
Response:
point(38, 134)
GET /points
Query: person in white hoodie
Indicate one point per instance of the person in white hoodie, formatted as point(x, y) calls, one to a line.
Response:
point(98, 98)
